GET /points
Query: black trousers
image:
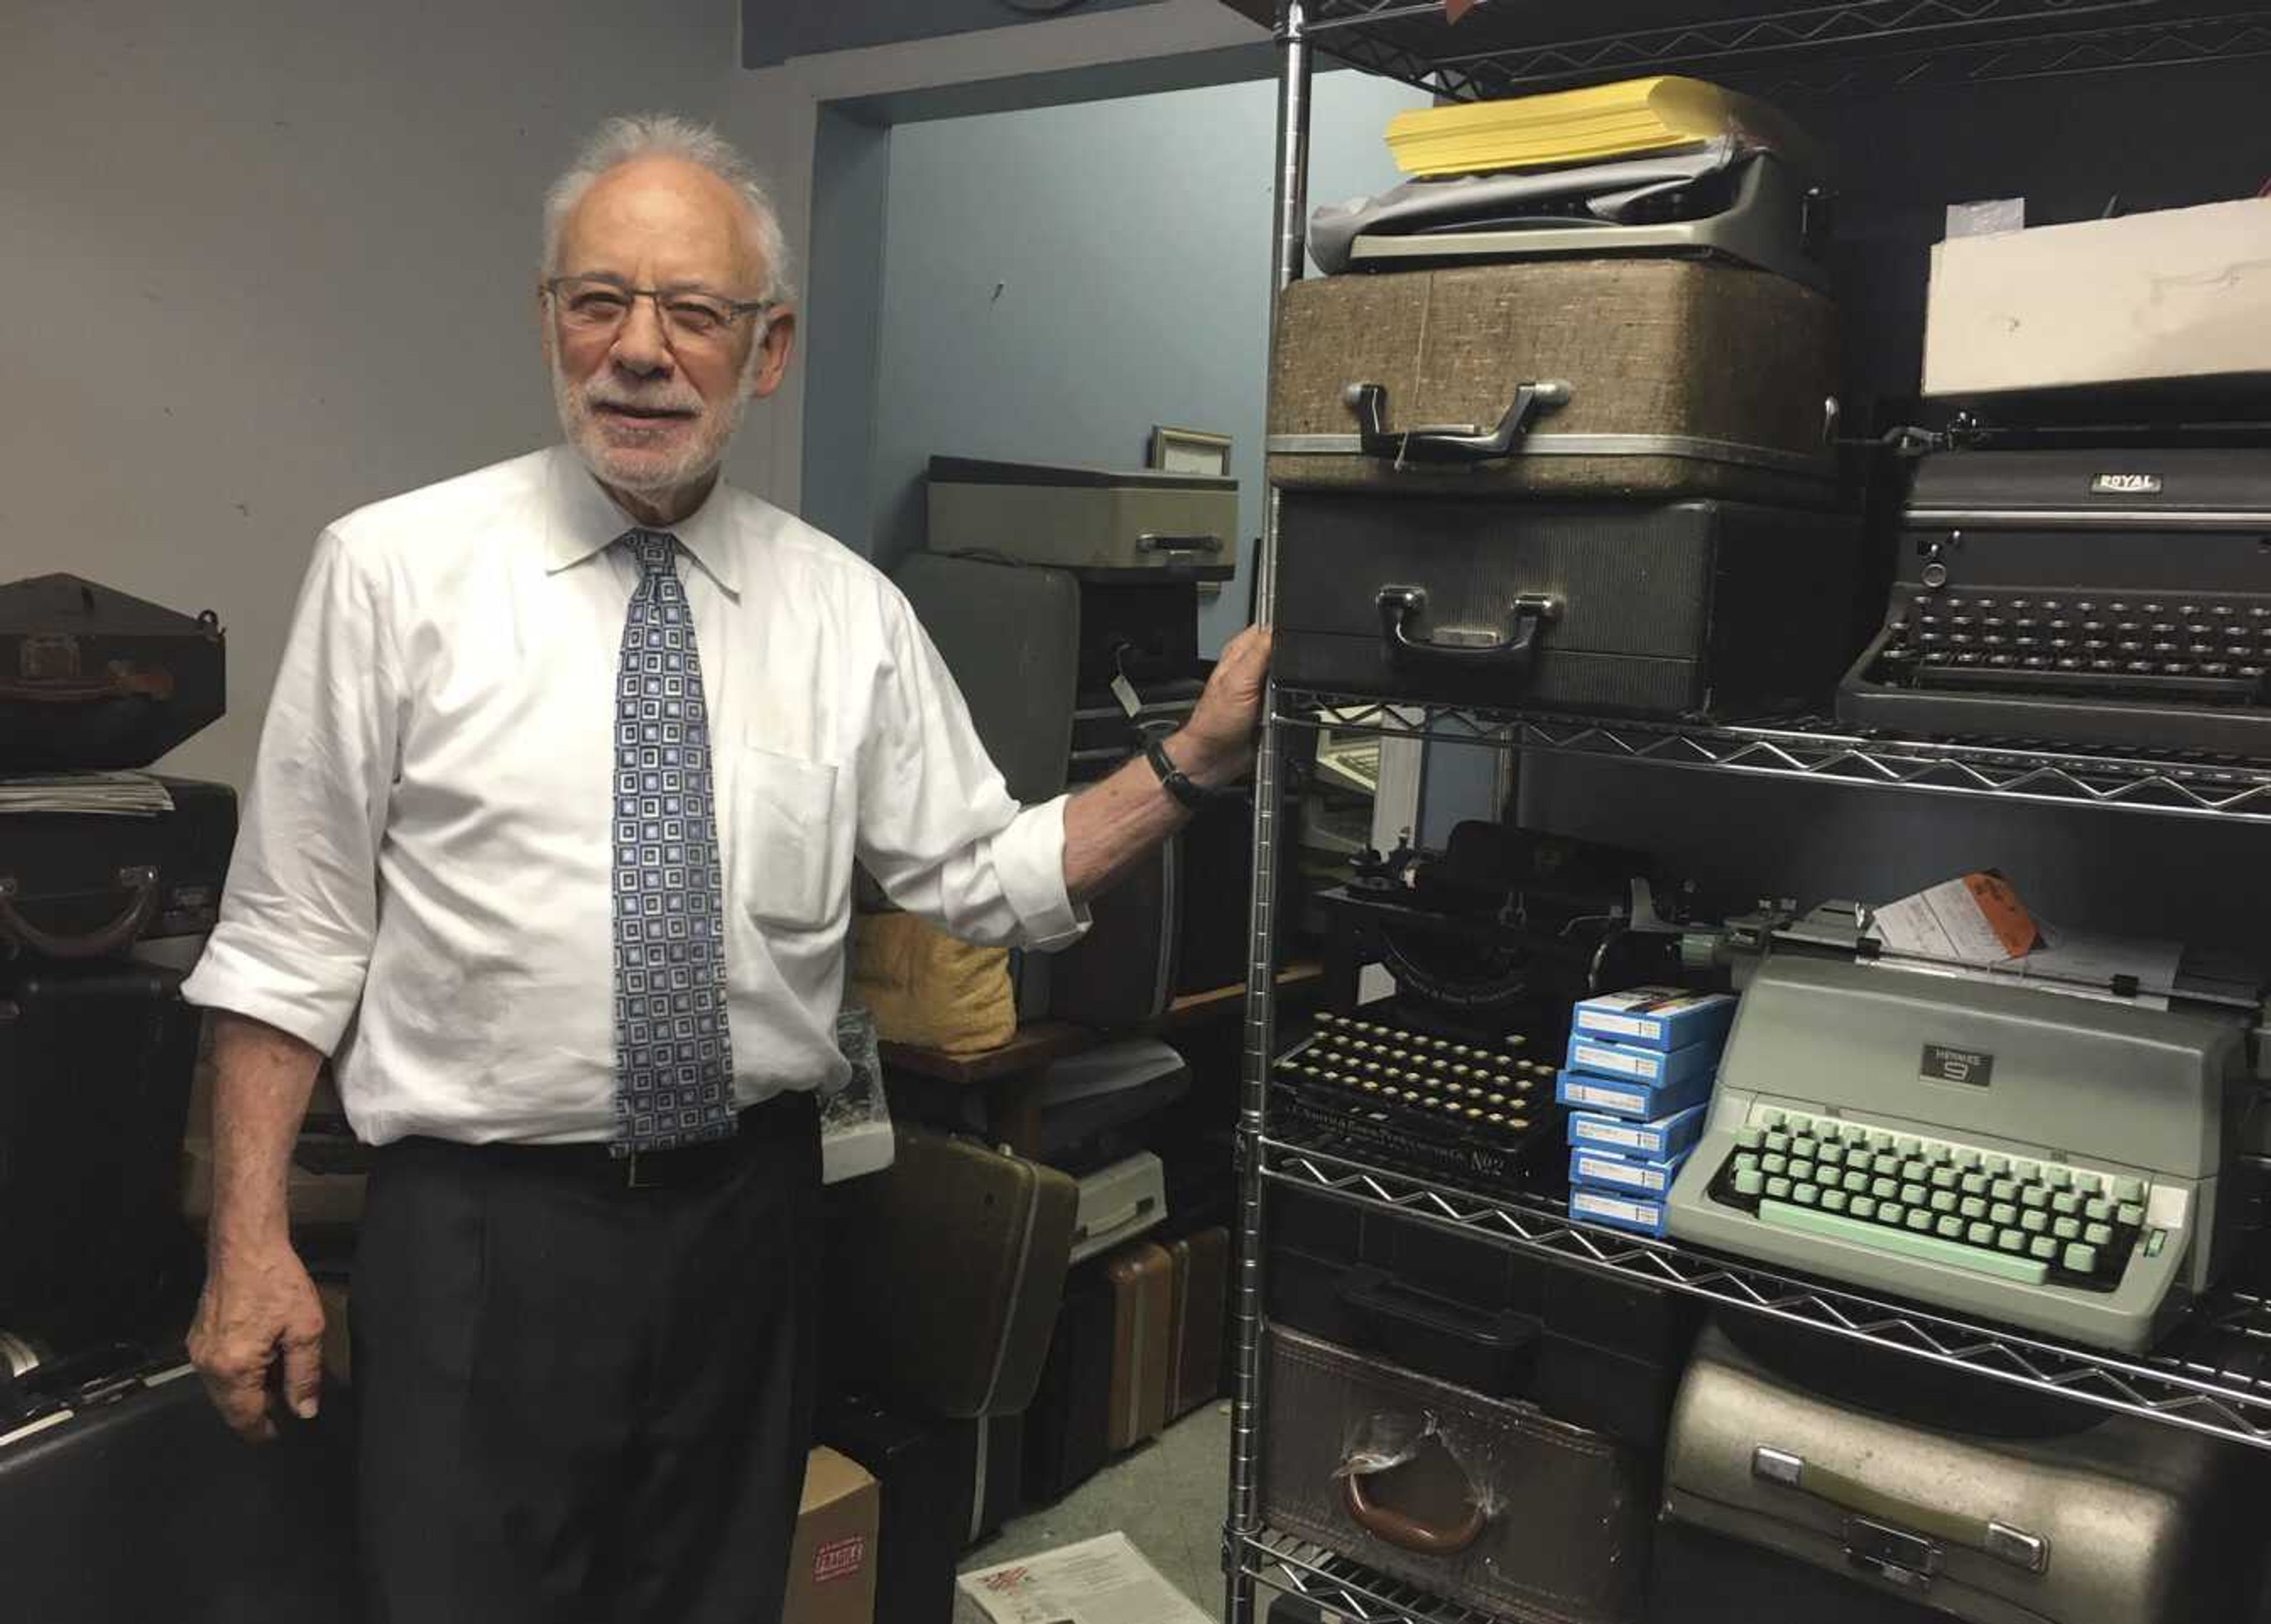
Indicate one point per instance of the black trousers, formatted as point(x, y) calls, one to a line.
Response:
point(582, 1402)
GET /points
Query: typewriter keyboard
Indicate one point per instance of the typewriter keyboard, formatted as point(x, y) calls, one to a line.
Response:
point(1491, 1092)
point(1936, 1201)
point(2188, 651)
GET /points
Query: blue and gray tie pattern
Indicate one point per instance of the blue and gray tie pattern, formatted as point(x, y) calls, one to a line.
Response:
point(674, 1055)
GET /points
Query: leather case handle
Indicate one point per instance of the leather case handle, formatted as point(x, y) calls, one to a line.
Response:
point(1451, 443)
point(1150, 542)
point(1408, 1533)
point(141, 883)
point(1873, 1509)
point(1513, 653)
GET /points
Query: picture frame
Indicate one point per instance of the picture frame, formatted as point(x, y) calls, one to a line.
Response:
point(1189, 451)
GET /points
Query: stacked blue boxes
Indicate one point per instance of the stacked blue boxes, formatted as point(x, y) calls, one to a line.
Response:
point(1640, 1069)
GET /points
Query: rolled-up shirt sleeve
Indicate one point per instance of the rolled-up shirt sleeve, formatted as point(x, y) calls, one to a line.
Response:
point(301, 908)
point(937, 827)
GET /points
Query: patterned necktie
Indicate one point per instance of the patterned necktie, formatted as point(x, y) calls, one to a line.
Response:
point(674, 1055)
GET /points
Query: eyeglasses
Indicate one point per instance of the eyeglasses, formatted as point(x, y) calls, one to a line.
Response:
point(597, 307)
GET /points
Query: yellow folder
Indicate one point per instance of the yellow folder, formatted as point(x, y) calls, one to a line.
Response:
point(1592, 125)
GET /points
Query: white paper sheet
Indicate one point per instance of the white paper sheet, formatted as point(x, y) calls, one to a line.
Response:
point(1101, 1580)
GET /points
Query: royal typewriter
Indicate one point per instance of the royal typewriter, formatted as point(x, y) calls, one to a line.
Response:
point(2010, 1154)
point(1488, 943)
point(2109, 597)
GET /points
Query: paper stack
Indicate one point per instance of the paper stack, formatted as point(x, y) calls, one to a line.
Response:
point(1596, 124)
point(117, 794)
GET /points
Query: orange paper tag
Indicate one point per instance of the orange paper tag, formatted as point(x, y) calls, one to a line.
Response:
point(2004, 913)
point(1977, 920)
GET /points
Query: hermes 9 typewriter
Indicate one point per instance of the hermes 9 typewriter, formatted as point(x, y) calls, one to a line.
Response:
point(2094, 597)
point(1488, 943)
point(2049, 1161)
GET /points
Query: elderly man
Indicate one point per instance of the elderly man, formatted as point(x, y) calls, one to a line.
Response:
point(550, 847)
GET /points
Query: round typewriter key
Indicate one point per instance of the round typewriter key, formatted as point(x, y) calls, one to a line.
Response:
point(1518, 1124)
point(1474, 1113)
point(1497, 1117)
point(1498, 1100)
point(1517, 1041)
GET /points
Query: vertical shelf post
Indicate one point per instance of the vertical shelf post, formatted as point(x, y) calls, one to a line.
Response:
point(1290, 250)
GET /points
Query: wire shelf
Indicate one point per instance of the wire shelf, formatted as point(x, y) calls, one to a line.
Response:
point(1342, 1586)
point(1822, 49)
point(2040, 774)
point(2214, 1376)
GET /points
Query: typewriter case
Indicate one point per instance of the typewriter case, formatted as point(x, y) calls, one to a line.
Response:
point(1642, 608)
point(1982, 1506)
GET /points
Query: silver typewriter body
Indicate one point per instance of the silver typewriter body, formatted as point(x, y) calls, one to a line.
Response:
point(2091, 1102)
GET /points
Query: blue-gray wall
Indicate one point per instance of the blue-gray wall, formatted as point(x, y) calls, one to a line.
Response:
point(1058, 281)
point(775, 30)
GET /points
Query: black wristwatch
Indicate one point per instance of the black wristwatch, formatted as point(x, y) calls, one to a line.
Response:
point(1188, 795)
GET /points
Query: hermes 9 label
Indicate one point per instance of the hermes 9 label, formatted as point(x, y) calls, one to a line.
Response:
point(1969, 1067)
point(1604, 1133)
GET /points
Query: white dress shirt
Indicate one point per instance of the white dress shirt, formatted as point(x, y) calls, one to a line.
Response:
point(422, 883)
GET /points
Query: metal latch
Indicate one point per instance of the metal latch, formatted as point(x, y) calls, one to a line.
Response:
point(1903, 1559)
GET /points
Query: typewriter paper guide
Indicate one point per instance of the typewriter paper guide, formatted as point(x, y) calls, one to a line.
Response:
point(2178, 294)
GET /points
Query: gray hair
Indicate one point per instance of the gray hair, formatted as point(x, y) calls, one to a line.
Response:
point(665, 135)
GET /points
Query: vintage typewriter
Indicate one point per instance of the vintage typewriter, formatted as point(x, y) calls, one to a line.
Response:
point(1488, 944)
point(2107, 597)
point(2044, 1159)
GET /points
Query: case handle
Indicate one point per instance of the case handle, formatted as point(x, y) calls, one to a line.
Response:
point(1408, 1533)
point(1451, 443)
point(120, 933)
point(1148, 543)
point(1400, 606)
point(1873, 1509)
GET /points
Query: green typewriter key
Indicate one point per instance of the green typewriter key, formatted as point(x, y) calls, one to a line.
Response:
point(2130, 1217)
point(2098, 1234)
point(2044, 1248)
point(1749, 1181)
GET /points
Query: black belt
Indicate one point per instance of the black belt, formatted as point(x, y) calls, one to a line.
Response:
point(788, 1115)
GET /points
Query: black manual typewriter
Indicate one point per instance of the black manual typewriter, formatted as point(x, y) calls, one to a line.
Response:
point(2119, 597)
point(1488, 943)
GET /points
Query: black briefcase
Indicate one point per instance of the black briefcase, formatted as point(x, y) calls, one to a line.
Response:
point(1627, 608)
point(928, 1475)
point(95, 1065)
point(124, 1499)
point(92, 678)
point(1069, 1422)
point(82, 885)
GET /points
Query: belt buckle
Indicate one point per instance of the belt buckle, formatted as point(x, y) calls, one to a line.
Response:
point(631, 1180)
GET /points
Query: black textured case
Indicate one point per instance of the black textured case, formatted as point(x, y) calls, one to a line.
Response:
point(1663, 609)
point(1602, 1351)
point(78, 884)
point(95, 1067)
point(927, 1474)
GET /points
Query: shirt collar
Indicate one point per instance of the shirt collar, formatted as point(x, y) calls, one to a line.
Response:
point(581, 519)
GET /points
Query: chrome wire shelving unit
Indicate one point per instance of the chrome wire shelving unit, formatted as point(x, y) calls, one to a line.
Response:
point(2022, 770)
point(2214, 1374)
point(1786, 51)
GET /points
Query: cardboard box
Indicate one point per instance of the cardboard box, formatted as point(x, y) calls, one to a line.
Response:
point(832, 1566)
point(2172, 294)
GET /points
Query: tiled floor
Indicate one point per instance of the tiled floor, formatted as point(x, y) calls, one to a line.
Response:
point(1168, 1497)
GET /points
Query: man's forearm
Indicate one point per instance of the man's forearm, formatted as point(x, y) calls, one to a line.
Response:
point(262, 1079)
point(1110, 826)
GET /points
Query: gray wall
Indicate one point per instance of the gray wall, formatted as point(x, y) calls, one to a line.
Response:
point(775, 30)
point(269, 259)
point(1057, 281)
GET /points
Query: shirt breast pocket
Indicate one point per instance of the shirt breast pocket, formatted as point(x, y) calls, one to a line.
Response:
point(785, 839)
